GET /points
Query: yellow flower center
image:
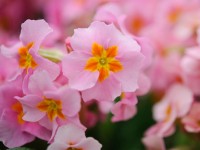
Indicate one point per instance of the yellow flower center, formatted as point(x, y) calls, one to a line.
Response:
point(26, 60)
point(17, 107)
point(104, 61)
point(52, 107)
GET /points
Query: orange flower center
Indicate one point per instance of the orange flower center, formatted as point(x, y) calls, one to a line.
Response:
point(17, 107)
point(52, 107)
point(104, 61)
point(26, 60)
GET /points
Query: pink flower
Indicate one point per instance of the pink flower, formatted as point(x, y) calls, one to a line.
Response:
point(14, 131)
point(125, 108)
point(175, 104)
point(153, 143)
point(104, 63)
point(70, 137)
point(48, 105)
point(192, 120)
point(32, 35)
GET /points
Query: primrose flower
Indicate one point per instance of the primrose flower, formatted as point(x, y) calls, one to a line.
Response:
point(48, 105)
point(71, 137)
point(175, 104)
point(26, 52)
point(104, 62)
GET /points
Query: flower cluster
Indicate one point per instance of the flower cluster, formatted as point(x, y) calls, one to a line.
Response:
point(59, 66)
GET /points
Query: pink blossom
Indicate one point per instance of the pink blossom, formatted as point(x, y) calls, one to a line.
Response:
point(48, 105)
point(191, 121)
point(72, 137)
point(33, 33)
point(175, 104)
point(125, 108)
point(105, 79)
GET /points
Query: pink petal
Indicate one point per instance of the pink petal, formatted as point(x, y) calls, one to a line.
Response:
point(144, 84)
point(128, 77)
point(10, 132)
point(98, 32)
point(181, 97)
point(124, 110)
point(38, 131)
point(44, 64)
point(39, 82)
point(71, 101)
point(106, 90)
point(89, 144)
point(153, 143)
point(73, 68)
point(11, 52)
point(69, 134)
point(29, 103)
point(34, 31)
point(57, 146)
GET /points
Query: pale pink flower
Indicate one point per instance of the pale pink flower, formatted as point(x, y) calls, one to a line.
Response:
point(105, 62)
point(153, 143)
point(175, 104)
point(72, 137)
point(113, 13)
point(48, 105)
point(125, 108)
point(32, 35)
point(192, 120)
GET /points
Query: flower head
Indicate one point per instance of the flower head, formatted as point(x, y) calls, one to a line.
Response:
point(101, 61)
